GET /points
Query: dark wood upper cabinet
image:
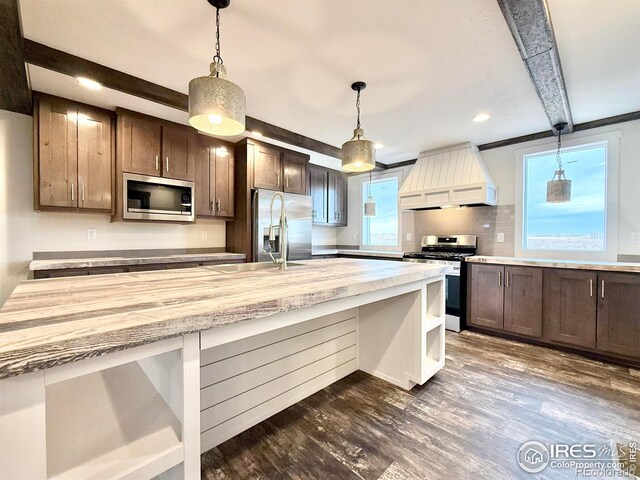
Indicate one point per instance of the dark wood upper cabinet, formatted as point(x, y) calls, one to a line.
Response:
point(619, 314)
point(486, 302)
point(95, 159)
point(267, 167)
point(223, 180)
point(318, 186)
point(178, 152)
point(139, 145)
point(337, 198)
point(294, 170)
point(569, 301)
point(214, 178)
point(522, 300)
point(57, 157)
point(73, 155)
point(203, 174)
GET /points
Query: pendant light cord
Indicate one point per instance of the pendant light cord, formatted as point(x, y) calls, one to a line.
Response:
point(217, 58)
point(369, 185)
point(358, 109)
point(558, 159)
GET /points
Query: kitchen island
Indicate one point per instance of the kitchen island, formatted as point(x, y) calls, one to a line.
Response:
point(133, 375)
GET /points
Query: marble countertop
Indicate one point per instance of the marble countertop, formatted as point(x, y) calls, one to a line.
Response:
point(51, 322)
point(359, 253)
point(64, 263)
point(543, 262)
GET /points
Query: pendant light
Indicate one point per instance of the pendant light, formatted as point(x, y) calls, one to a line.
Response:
point(216, 105)
point(358, 154)
point(559, 190)
point(370, 204)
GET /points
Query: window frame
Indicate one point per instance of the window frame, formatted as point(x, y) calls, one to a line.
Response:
point(361, 183)
point(612, 140)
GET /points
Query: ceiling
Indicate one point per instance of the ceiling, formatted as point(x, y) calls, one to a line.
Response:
point(430, 65)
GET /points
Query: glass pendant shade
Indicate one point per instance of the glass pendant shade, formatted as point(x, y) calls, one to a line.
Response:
point(558, 190)
point(216, 105)
point(370, 207)
point(358, 154)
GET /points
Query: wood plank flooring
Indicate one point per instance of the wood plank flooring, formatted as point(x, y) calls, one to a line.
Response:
point(466, 422)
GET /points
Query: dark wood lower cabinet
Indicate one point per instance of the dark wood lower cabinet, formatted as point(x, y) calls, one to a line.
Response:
point(570, 306)
point(523, 301)
point(595, 312)
point(619, 314)
point(487, 296)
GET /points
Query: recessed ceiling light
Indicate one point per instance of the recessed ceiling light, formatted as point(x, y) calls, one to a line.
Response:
point(88, 83)
point(481, 117)
point(379, 146)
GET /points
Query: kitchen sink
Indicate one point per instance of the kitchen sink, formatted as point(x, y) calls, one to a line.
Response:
point(250, 267)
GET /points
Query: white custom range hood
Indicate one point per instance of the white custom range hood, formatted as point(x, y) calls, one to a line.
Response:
point(449, 177)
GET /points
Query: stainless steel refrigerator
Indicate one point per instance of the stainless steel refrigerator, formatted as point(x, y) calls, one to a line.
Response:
point(298, 209)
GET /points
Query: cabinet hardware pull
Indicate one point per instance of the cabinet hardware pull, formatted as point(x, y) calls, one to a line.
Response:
point(82, 192)
point(591, 287)
point(499, 279)
point(507, 285)
point(167, 164)
point(287, 181)
point(602, 290)
point(218, 205)
point(211, 205)
point(73, 196)
point(157, 163)
point(277, 179)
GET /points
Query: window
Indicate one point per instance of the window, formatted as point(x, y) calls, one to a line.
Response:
point(382, 230)
point(578, 225)
point(583, 228)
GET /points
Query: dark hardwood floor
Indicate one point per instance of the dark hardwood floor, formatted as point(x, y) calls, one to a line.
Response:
point(465, 423)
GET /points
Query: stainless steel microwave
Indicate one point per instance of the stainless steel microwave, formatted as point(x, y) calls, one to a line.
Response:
point(156, 198)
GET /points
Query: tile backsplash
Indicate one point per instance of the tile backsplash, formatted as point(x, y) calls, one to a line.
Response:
point(485, 222)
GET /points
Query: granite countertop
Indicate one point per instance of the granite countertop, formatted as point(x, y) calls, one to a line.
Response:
point(51, 322)
point(356, 252)
point(574, 264)
point(64, 263)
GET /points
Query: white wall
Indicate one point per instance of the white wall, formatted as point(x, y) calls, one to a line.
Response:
point(23, 230)
point(322, 235)
point(501, 164)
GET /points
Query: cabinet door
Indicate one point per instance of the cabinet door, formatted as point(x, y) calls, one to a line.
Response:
point(341, 200)
point(569, 301)
point(337, 193)
point(295, 173)
point(139, 142)
point(619, 313)
point(178, 152)
point(487, 296)
point(318, 186)
point(523, 301)
point(267, 169)
point(203, 167)
point(57, 153)
point(94, 160)
point(223, 181)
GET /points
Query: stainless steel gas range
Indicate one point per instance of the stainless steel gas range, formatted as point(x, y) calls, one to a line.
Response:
point(449, 250)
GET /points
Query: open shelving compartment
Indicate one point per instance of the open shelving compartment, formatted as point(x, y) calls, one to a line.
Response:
point(433, 332)
point(116, 418)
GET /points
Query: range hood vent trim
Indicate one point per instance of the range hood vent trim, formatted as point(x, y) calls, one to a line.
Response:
point(452, 176)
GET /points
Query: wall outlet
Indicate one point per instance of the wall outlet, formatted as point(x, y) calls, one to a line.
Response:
point(204, 234)
point(408, 237)
point(500, 237)
point(92, 233)
point(635, 237)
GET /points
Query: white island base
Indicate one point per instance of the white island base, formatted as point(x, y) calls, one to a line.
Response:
point(150, 411)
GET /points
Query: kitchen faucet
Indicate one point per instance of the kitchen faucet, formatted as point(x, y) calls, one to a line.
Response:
point(283, 229)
